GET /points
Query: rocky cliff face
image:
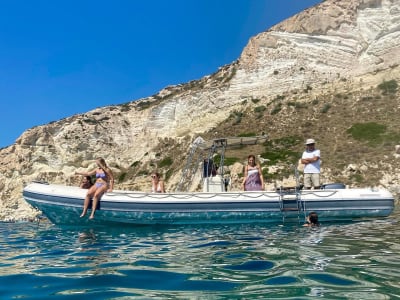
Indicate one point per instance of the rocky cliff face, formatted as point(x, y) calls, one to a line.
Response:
point(335, 46)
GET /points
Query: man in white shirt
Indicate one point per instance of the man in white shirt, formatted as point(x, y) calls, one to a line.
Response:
point(311, 160)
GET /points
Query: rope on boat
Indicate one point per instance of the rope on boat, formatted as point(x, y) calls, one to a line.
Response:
point(328, 195)
point(192, 195)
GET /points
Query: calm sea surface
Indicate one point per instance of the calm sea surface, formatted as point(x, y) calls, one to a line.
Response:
point(358, 260)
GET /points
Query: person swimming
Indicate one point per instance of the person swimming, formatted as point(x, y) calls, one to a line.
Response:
point(312, 220)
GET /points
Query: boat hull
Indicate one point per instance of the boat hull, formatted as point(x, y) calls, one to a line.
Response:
point(63, 205)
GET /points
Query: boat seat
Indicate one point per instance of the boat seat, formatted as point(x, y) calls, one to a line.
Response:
point(287, 189)
point(214, 184)
point(333, 186)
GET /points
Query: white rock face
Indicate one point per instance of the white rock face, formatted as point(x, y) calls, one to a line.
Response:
point(348, 40)
point(338, 44)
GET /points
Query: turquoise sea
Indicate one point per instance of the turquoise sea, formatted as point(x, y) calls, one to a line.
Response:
point(356, 260)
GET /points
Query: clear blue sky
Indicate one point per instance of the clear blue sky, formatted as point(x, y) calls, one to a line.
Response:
point(59, 58)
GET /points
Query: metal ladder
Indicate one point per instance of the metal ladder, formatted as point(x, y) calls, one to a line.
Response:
point(289, 199)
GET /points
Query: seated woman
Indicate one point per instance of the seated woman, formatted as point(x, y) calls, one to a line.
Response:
point(104, 183)
point(253, 179)
point(157, 185)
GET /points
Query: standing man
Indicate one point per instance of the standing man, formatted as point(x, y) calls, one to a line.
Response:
point(311, 160)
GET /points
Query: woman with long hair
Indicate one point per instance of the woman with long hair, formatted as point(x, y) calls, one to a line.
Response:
point(157, 185)
point(104, 183)
point(253, 178)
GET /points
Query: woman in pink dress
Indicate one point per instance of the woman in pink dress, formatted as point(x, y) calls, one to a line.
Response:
point(253, 179)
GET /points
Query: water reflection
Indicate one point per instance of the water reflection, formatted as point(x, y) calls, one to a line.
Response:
point(357, 260)
point(87, 237)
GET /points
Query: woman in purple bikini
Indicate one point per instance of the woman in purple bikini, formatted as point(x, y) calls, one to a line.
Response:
point(104, 183)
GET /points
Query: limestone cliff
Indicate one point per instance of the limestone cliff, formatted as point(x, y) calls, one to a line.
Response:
point(335, 46)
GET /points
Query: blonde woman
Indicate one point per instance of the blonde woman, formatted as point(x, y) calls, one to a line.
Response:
point(253, 179)
point(104, 183)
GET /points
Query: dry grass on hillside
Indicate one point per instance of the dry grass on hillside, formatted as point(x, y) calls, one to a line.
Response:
point(288, 121)
point(328, 120)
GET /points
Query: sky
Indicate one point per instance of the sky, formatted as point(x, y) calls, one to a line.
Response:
point(61, 58)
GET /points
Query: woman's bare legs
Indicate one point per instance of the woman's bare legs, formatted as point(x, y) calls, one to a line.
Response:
point(94, 206)
point(85, 206)
point(89, 195)
point(96, 198)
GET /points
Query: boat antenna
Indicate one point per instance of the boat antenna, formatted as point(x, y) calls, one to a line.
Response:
point(296, 176)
